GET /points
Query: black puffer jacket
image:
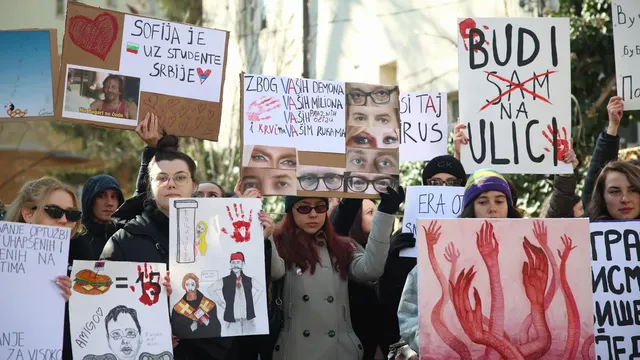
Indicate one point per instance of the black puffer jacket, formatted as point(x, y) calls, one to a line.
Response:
point(563, 198)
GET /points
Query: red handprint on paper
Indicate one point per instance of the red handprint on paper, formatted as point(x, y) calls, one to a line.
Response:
point(465, 26)
point(241, 226)
point(259, 107)
point(563, 143)
point(149, 280)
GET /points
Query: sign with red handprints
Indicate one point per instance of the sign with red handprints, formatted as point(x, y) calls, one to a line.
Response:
point(515, 84)
point(241, 225)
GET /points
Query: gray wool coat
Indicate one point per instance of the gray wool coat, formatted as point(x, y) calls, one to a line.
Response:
point(317, 322)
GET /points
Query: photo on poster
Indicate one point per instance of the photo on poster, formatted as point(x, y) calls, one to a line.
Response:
point(26, 81)
point(359, 94)
point(270, 157)
point(216, 254)
point(372, 137)
point(369, 184)
point(373, 117)
point(118, 311)
point(373, 161)
point(320, 178)
point(278, 182)
point(101, 95)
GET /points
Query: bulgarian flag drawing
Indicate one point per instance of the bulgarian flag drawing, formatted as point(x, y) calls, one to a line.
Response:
point(132, 47)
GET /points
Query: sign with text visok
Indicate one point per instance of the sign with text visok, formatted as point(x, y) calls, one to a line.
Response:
point(626, 13)
point(615, 268)
point(117, 67)
point(515, 94)
point(32, 315)
point(429, 202)
point(423, 126)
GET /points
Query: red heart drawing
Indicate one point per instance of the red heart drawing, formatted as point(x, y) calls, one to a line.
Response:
point(94, 36)
point(173, 102)
point(171, 121)
point(212, 114)
point(201, 107)
point(183, 125)
point(151, 101)
point(199, 120)
point(183, 110)
point(203, 75)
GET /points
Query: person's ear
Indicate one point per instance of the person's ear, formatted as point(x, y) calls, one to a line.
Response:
point(27, 215)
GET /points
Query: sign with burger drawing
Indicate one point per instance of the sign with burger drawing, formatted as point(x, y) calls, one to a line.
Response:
point(118, 311)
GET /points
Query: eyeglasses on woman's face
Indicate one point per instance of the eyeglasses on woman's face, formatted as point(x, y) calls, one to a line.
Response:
point(310, 182)
point(180, 179)
point(56, 212)
point(361, 184)
point(306, 209)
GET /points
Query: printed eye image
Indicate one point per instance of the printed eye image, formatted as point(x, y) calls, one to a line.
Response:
point(372, 95)
point(373, 161)
point(271, 157)
point(269, 181)
point(380, 138)
point(320, 178)
point(371, 184)
point(373, 117)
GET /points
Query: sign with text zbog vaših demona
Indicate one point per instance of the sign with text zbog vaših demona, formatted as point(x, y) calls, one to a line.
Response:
point(117, 67)
point(515, 94)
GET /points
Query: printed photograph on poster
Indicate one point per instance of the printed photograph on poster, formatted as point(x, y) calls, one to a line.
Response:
point(373, 117)
point(424, 127)
point(372, 137)
point(118, 311)
point(370, 184)
point(100, 95)
point(370, 95)
point(26, 78)
point(624, 16)
point(529, 279)
point(515, 94)
point(277, 182)
point(320, 178)
point(216, 254)
point(271, 157)
point(373, 161)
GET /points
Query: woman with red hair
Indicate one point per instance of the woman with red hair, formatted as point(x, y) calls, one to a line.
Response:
point(317, 263)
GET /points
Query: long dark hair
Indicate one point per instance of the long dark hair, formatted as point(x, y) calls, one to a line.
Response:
point(356, 232)
point(597, 208)
point(297, 248)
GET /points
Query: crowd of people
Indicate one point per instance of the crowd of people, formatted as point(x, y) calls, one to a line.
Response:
point(338, 288)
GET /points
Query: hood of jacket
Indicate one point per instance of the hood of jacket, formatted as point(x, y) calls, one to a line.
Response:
point(94, 187)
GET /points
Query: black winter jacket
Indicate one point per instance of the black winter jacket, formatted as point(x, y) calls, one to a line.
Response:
point(563, 197)
point(605, 151)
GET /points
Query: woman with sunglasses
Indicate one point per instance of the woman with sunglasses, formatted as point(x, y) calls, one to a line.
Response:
point(316, 263)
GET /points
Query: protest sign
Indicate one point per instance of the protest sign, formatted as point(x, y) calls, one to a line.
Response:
point(32, 315)
point(345, 137)
point(423, 126)
point(118, 311)
point(216, 255)
point(615, 254)
point(125, 66)
point(27, 85)
point(515, 94)
point(429, 202)
point(625, 13)
point(509, 288)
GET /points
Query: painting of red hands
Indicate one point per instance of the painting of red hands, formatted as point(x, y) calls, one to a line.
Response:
point(241, 224)
point(505, 289)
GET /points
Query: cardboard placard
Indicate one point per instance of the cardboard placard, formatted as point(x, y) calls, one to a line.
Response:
point(505, 288)
point(424, 125)
point(515, 94)
point(27, 67)
point(345, 137)
point(625, 14)
point(141, 65)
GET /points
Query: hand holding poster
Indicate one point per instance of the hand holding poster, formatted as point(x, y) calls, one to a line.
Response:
point(423, 126)
point(515, 94)
point(625, 14)
point(32, 315)
point(216, 254)
point(118, 311)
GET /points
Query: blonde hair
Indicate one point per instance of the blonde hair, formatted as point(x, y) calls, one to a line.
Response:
point(34, 193)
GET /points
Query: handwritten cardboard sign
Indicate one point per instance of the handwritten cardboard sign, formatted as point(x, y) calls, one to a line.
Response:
point(118, 67)
point(305, 136)
point(515, 94)
point(118, 310)
point(216, 255)
point(615, 269)
point(27, 84)
point(423, 126)
point(626, 13)
point(32, 316)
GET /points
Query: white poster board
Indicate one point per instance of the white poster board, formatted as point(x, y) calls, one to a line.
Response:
point(625, 15)
point(216, 255)
point(615, 268)
point(118, 311)
point(32, 308)
point(429, 202)
point(515, 94)
point(423, 125)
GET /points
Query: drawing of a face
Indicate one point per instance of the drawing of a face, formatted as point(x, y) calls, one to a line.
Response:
point(123, 333)
point(236, 265)
point(190, 286)
point(112, 90)
point(201, 227)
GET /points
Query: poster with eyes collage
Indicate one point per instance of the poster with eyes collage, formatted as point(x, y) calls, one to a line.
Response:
point(303, 136)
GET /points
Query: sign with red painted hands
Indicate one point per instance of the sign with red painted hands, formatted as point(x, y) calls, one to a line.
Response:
point(515, 94)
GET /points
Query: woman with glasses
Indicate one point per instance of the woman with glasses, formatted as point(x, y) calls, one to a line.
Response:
point(316, 263)
point(370, 183)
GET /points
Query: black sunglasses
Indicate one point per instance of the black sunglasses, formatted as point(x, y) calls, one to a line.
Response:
point(56, 212)
point(305, 209)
